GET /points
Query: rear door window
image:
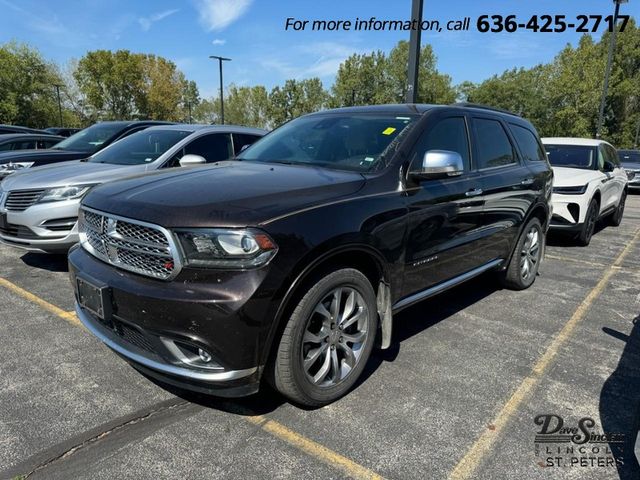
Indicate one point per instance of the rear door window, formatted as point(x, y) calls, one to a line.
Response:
point(214, 147)
point(492, 144)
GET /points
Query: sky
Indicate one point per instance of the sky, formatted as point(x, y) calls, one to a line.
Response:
point(252, 33)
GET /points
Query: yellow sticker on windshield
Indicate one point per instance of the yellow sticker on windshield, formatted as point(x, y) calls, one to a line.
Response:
point(388, 131)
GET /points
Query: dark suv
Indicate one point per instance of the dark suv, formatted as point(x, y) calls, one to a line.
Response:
point(290, 262)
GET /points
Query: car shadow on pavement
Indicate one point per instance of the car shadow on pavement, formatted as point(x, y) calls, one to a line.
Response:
point(46, 261)
point(262, 403)
point(560, 239)
point(425, 314)
point(620, 402)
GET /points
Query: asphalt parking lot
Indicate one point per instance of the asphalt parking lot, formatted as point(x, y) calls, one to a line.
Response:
point(455, 396)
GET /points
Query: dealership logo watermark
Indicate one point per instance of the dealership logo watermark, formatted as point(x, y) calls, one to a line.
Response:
point(560, 444)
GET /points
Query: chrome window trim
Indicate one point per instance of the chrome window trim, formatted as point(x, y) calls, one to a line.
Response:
point(173, 246)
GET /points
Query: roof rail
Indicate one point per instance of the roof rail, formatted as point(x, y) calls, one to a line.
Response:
point(484, 107)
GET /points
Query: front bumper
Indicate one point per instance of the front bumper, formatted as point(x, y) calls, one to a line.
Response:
point(46, 227)
point(233, 383)
point(226, 314)
point(568, 212)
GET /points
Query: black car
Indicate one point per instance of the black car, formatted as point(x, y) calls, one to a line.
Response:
point(289, 263)
point(81, 145)
point(630, 160)
point(10, 142)
point(4, 129)
point(62, 131)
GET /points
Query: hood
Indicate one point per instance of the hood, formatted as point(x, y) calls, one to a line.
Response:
point(631, 166)
point(570, 177)
point(41, 157)
point(233, 193)
point(68, 173)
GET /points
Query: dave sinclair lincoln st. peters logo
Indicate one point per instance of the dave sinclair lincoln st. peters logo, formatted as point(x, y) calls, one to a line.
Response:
point(577, 445)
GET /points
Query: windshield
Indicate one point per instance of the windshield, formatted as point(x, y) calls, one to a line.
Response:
point(139, 148)
point(629, 156)
point(572, 156)
point(339, 141)
point(90, 139)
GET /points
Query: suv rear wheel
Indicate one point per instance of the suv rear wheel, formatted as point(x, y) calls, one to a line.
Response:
point(327, 340)
point(525, 261)
point(616, 218)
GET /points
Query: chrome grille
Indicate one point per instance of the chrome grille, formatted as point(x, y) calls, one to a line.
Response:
point(20, 200)
point(128, 244)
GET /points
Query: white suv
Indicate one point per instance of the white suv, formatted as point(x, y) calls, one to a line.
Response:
point(589, 183)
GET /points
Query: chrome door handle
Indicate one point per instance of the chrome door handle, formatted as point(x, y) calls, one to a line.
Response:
point(474, 193)
point(527, 182)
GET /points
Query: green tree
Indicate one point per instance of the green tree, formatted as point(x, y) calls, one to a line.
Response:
point(190, 98)
point(433, 86)
point(295, 98)
point(27, 92)
point(161, 94)
point(247, 106)
point(112, 82)
point(123, 85)
point(361, 80)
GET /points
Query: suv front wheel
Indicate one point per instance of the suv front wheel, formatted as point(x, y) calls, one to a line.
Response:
point(327, 340)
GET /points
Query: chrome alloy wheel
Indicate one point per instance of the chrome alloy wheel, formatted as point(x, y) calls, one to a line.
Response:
point(530, 254)
point(335, 336)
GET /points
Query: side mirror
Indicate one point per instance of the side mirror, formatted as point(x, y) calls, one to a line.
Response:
point(191, 160)
point(608, 167)
point(440, 163)
point(244, 147)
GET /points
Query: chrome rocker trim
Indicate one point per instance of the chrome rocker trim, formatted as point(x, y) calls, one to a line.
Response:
point(441, 287)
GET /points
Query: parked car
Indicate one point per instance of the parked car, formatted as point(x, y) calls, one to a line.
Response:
point(291, 261)
point(589, 184)
point(4, 129)
point(81, 145)
point(41, 205)
point(27, 141)
point(63, 131)
point(630, 160)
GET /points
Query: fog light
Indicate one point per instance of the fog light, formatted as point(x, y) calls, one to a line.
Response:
point(204, 356)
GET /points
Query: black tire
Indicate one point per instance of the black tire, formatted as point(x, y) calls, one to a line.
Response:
point(616, 219)
point(513, 277)
point(588, 227)
point(289, 376)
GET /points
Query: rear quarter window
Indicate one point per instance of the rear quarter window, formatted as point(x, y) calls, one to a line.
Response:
point(529, 145)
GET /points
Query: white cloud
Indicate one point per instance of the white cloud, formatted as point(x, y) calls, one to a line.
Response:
point(322, 59)
point(218, 42)
point(146, 22)
point(219, 14)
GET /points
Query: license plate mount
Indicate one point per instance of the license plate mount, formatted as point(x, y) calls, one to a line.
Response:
point(3, 221)
point(96, 299)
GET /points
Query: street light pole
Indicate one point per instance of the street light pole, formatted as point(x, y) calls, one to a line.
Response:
point(635, 144)
point(59, 102)
point(414, 51)
point(220, 60)
point(607, 74)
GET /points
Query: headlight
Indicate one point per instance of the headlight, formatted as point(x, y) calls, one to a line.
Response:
point(13, 166)
point(64, 193)
point(226, 248)
point(570, 190)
